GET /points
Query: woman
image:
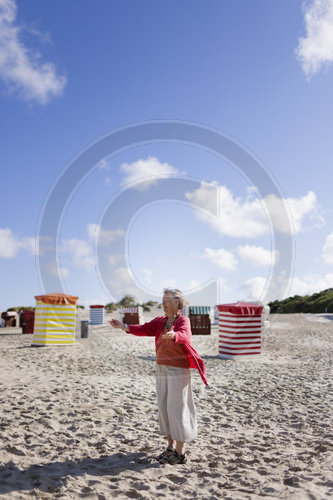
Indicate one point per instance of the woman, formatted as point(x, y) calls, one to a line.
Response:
point(174, 358)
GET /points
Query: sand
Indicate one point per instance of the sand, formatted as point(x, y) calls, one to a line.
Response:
point(81, 421)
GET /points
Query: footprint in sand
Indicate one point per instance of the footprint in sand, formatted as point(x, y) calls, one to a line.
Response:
point(176, 479)
point(133, 494)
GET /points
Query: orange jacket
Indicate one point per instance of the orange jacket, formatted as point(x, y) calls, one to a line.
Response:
point(183, 334)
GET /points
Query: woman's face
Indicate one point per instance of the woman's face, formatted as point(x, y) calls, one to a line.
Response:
point(170, 304)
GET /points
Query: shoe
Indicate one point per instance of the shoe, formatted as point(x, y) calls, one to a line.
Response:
point(174, 459)
point(169, 451)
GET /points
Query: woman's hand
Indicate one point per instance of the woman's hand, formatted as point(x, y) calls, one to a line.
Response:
point(116, 324)
point(170, 335)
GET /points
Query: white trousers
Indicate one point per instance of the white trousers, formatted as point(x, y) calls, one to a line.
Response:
point(176, 409)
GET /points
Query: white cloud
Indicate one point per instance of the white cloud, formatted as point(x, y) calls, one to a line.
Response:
point(41, 245)
point(169, 283)
point(147, 275)
point(237, 217)
point(327, 253)
point(316, 48)
point(54, 270)
point(252, 192)
point(123, 282)
point(22, 69)
point(209, 196)
point(30, 244)
point(304, 213)
point(64, 272)
point(256, 255)
point(115, 259)
point(246, 217)
point(103, 236)
point(148, 170)
point(10, 244)
point(253, 289)
point(80, 251)
point(220, 257)
point(310, 284)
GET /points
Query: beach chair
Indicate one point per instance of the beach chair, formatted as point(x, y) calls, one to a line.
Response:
point(200, 320)
point(55, 317)
point(131, 315)
point(11, 318)
point(240, 326)
point(97, 314)
point(27, 320)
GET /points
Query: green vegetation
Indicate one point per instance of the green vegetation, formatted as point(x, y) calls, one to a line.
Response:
point(317, 303)
point(148, 305)
point(29, 308)
point(111, 306)
point(19, 308)
point(127, 301)
point(130, 301)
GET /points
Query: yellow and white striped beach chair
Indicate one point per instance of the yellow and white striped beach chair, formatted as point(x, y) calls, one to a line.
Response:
point(55, 316)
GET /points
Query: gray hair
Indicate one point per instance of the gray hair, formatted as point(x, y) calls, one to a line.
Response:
point(177, 294)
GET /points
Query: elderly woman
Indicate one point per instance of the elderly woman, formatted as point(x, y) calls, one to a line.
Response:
point(174, 358)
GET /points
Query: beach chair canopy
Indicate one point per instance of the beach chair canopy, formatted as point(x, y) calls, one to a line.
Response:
point(130, 310)
point(57, 298)
point(199, 309)
point(241, 308)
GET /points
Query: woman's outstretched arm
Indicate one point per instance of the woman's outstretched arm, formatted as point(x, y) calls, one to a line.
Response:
point(148, 329)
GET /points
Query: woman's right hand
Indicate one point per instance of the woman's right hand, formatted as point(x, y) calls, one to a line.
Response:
point(116, 324)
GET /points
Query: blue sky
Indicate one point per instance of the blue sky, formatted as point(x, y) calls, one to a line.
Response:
point(261, 72)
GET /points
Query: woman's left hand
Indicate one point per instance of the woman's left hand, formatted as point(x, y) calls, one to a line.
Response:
point(169, 335)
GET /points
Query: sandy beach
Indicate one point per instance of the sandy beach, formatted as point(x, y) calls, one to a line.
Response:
point(81, 421)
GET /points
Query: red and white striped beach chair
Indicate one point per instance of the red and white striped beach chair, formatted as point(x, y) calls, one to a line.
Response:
point(239, 330)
